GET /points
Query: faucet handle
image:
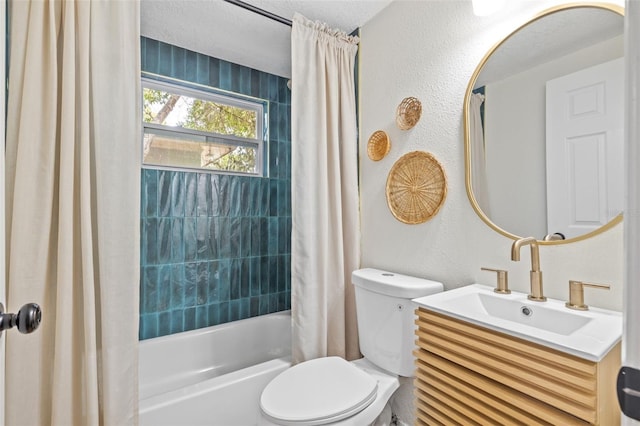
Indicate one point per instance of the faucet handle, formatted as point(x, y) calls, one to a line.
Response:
point(502, 280)
point(576, 294)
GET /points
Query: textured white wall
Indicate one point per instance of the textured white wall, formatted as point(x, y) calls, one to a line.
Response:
point(429, 49)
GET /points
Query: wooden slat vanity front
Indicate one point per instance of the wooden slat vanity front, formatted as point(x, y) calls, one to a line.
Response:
point(467, 374)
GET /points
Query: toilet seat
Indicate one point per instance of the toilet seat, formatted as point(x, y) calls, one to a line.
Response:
point(317, 392)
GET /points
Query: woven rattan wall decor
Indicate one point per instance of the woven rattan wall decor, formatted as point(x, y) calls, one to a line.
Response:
point(416, 187)
point(379, 145)
point(408, 113)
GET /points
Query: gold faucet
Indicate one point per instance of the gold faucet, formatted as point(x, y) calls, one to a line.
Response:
point(576, 294)
point(536, 273)
point(502, 286)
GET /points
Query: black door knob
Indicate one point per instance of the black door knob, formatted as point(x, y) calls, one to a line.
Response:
point(27, 319)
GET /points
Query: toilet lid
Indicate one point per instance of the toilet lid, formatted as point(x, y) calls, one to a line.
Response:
point(317, 392)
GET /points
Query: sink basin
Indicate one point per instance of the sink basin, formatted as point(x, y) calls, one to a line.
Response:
point(541, 317)
point(586, 334)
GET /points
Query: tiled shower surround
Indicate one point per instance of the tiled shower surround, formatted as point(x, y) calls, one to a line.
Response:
point(216, 248)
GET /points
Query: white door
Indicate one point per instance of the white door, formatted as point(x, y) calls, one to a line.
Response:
point(585, 148)
point(631, 301)
point(3, 299)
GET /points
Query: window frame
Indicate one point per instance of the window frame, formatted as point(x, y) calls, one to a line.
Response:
point(208, 93)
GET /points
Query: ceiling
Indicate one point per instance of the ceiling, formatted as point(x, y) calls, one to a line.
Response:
point(549, 38)
point(223, 30)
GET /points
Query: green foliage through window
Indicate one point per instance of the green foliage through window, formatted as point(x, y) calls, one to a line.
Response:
point(185, 128)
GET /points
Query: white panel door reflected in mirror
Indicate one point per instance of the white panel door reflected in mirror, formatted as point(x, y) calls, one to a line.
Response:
point(585, 149)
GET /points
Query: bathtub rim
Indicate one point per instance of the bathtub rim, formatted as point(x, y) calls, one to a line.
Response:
point(210, 329)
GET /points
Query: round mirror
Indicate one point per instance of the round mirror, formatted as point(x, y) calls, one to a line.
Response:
point(544, 119)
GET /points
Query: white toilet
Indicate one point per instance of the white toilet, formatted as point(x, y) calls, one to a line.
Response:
point(336, 392)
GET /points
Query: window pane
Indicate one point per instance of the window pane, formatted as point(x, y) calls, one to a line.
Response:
point(179, 110)
point(172, 149)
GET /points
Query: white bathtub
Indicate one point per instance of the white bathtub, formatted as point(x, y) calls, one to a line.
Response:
point(215, 375)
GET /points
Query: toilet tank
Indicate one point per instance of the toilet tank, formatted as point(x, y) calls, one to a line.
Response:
point(386, 316)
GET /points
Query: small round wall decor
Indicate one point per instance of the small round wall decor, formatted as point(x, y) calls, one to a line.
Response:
point(379, 145)
point(408, 113)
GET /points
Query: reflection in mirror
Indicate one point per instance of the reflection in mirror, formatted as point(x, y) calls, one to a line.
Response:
point(544, 126)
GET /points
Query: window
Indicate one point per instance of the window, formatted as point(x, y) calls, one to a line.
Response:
point(197, 129)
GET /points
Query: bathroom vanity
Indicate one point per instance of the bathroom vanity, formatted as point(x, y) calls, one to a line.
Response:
point(477, 362)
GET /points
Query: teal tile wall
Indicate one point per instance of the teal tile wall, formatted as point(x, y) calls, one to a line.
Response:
point(216, 248)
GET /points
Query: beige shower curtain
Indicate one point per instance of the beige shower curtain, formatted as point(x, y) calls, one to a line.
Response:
point(325, 232)
point(478, 154)
point(72, 177)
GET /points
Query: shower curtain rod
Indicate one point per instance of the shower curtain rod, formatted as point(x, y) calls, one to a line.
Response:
point(259, 11)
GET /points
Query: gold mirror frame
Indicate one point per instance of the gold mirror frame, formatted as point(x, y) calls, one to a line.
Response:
point(467, 126)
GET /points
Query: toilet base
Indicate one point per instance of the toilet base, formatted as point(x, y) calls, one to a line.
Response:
point(402, 403)
point(387, 385)
point(385, 418)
